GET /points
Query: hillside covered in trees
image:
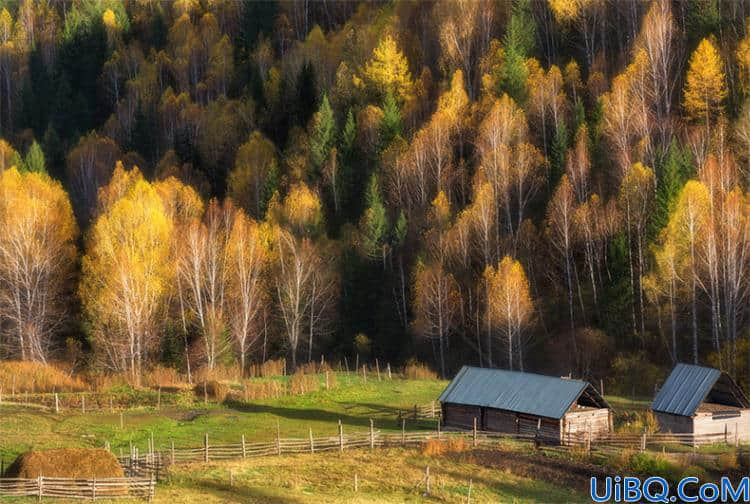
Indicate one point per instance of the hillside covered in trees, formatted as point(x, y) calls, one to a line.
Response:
point(543, 185)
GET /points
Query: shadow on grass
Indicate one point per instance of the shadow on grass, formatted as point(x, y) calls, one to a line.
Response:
point(384, 416)
point(239, 493)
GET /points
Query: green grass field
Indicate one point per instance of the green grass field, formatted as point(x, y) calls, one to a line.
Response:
point(384, 475)
point(352, 401)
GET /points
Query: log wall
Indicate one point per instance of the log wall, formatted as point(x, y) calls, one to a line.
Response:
point(461, 415)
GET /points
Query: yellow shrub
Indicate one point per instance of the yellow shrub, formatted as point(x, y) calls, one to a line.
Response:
point(418, 371)
point(36, 377)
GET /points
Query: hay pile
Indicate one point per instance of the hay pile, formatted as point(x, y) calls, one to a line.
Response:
point(66, 463)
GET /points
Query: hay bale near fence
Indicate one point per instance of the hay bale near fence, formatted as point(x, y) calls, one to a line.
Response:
point(66, 463)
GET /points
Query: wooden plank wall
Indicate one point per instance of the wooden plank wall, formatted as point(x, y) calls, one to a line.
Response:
point(579, 423)
point(707, 423)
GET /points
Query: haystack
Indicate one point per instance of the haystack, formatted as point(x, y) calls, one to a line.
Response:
point(66, 463)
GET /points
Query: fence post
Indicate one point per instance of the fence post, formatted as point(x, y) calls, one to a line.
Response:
point(438, 428)
point(364, 372)
point(122, 424)
point(427, 477)
point(377, 368)
point(403, 431)
point(726, 438)
point(736, 438)
point(205, 394)
point(346, 363)
point(416, 415)
point(588, 442)
point(244, 449)
point(326, 380)
point(171, 453)
point(389, 371)
point(432, 404)
point(57, 404)
point(158, 398)
point(372, 434)
point(341, 436)
point(1, 395)
point(83, 403)
point(643, 441)
point(205, 447)
point(93, 488)
point(39, 485)
point(312, 445)
point(474, 437)
point(601, 386)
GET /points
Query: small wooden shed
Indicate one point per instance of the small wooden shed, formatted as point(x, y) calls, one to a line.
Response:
point(524, 403)
point(704, 402)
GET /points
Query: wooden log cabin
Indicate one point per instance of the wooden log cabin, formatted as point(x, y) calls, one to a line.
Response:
point(552, 408)
point(704, 404)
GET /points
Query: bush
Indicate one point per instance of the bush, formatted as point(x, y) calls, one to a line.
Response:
point(161, 376)
point(727, 462)
point(269, 389)
point(269, 368)
point(436, 447)
point(301, 383)
point(654, 465)
point(417, 371)
point(36, 377)
point(639, 422)
point(215, 390)
point(227, 372)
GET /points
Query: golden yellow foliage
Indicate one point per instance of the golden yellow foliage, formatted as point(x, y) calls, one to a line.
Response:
point(37, 259)
point(388, 70)
point(705, 83)
point(128, 271)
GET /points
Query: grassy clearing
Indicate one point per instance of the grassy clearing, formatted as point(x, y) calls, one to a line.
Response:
point(383, 476)
point(353, 402)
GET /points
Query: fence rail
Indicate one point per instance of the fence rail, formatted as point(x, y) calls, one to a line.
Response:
point(73, 488)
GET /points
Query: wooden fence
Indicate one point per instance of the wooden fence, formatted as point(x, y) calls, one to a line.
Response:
point(71, 488)
point(430, 411)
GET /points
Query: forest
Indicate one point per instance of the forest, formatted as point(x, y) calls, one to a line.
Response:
point(558, 186)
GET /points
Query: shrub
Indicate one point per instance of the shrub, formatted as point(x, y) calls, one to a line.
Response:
point(269, 368)
point(261, 390)
point(639, 422)
point(227, 372)
point(161, 376)
point(301, 383)
point(654, 465)
point(215, 390)
point(417, 371)
point(437, 447)
point(727, 462)
point(35, 377)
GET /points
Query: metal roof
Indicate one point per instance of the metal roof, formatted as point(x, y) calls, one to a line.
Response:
point(685, 389)
point(528, 393)
point(689, 385)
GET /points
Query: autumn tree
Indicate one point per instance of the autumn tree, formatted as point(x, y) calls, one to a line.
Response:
point(388, 71)
point(127, 275)
point(247, 260)
point(255, 175)
point(705, 83)
point(510, 306)
point(436, 303)
point(37, 262)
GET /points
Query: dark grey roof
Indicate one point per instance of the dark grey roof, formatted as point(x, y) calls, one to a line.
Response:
point(528, 393)
point(689, 385)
